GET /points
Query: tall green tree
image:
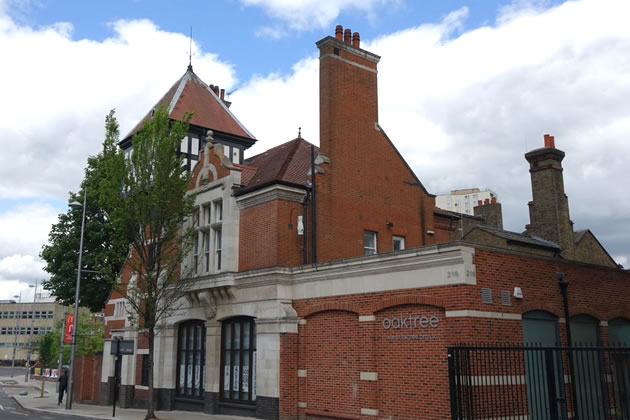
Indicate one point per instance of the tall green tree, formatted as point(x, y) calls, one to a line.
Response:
point(147, 201)
point(104, 250)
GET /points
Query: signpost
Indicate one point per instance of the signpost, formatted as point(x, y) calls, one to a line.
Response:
point(119, 348)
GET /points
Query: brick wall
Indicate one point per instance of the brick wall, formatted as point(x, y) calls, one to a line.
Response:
point(265, 238)
point(86, 387)
point(367, 183)
point(321, 365)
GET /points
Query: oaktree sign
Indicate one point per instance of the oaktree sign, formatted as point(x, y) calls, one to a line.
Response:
point(411, 322)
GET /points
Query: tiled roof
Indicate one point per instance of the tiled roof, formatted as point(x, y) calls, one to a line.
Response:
point(190, 93)
point(519, 237)
point(288, 163)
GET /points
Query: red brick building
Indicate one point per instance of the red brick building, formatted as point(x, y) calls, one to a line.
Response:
point(328, 286)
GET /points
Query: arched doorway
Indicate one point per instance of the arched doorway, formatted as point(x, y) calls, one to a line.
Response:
point(191, 365)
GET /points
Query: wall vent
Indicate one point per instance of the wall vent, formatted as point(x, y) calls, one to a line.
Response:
point(486, 295)
point(506, 298)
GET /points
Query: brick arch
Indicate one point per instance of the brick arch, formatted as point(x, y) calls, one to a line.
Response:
point(333, 306)
point(541, 306)
point(625, 314)
point(582, 310)
point(408, 300)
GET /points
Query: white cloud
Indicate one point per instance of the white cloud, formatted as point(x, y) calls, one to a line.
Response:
point(21, 267)
point(463, 109)
point(24, 229)
point(57, 91)
point(304, 15)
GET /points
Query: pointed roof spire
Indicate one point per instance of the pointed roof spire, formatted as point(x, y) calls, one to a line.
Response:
point(190, 51)
point(299, 132)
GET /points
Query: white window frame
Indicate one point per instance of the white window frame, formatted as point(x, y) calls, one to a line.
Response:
point(370, 250)
point(206, 251)
point(217, 207)
point(218, 243)
point(401, 239)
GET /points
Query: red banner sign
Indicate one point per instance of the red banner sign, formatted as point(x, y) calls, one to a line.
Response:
point(67, 337)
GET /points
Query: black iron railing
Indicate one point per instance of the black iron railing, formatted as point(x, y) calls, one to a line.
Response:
point(539, 383)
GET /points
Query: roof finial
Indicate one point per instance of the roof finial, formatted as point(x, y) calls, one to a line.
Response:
point(299, 132)
point(190, 51)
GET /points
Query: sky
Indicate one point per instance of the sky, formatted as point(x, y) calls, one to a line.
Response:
point(465, 89)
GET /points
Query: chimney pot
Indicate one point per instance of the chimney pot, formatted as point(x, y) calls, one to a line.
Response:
point(479, 203)
point(549, 141)
point(486, 201)
point(356, 40)
point(339, 32)
point(493, 200)
point(222, 94)
point(347, 36)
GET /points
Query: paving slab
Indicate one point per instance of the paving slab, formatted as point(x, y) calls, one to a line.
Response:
point(48, 404)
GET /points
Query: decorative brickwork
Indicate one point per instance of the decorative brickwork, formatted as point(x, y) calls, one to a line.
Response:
point(107, 391)
point(165, 398)
point(211, 403)
point(126, 396)
point(267, 408)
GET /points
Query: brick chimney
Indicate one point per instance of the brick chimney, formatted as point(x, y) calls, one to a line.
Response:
point(347, 88)
point(365, 184)
point(549, 208)
point(491, 212)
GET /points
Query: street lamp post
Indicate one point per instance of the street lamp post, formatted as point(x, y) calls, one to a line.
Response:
point(61, 334)
point(30, 337)
point(17, 330)
point(76, 303)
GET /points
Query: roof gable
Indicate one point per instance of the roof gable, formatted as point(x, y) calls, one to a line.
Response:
point(191, 94)
point(287, 163)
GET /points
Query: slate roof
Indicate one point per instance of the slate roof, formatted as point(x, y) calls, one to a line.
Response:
point(190, 93)
point(287, 163)
point(519, 237)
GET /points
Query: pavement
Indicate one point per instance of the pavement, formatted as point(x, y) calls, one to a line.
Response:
point(34, 403)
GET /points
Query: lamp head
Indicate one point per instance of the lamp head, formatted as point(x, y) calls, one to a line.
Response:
point(75, 205)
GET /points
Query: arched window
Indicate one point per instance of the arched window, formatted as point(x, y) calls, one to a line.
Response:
point(584, 331)
point(238, 360)
point(540, 328)
point(191, 359)
point(619, 332)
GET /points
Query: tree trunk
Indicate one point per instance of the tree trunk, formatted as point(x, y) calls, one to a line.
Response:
point(151, 408)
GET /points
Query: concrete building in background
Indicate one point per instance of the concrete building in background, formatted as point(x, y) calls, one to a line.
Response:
point(15, 323)
point(464, 200)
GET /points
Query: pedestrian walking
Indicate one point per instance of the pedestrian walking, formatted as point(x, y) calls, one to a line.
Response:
point(63, 385)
